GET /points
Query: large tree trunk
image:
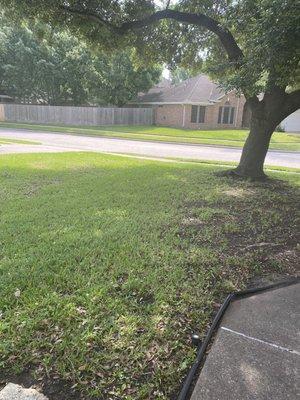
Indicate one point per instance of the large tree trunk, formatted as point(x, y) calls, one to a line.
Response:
point(256, 146)
point(265, 116)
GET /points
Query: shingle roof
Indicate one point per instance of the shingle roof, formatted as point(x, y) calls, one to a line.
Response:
point(199, 89)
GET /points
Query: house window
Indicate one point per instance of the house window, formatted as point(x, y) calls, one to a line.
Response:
point(226, 115)
point(198, 114)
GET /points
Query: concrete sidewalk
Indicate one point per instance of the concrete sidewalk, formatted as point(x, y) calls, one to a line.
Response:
point(256, 353)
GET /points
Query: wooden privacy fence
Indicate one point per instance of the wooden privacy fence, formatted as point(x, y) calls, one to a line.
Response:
point(75, 115)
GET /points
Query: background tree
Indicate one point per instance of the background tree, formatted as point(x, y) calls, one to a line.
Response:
point(180, 74)
point(120, 79)
point(39, 64)
point(251, 46)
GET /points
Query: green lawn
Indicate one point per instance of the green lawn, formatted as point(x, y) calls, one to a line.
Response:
point(15, 141)
point(108, 264)
point(235, 138)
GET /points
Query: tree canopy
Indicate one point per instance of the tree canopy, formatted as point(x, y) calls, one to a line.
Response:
point(39, 64)
point(249, 44)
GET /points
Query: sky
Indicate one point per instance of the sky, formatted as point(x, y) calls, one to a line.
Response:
point(166, 73)
point(162, 3)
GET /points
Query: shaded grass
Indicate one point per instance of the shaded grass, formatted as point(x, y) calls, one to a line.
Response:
point(119, 260)
point(231, 164)
point(225, 137)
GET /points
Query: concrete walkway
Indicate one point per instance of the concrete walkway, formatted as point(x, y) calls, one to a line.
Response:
point(256, 353)
point(55, 142)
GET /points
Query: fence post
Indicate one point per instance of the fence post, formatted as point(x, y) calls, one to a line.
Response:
point(2, 112)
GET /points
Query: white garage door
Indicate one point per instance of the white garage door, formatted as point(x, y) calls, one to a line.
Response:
point(292, 122)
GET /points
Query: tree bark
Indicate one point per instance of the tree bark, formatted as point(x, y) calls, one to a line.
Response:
point(254, 152)
point(265, 116)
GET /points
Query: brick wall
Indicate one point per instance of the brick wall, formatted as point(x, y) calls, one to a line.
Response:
point(169, 115)
point(172, 115)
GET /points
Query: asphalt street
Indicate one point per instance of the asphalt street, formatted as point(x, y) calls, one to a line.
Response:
point(57, 142)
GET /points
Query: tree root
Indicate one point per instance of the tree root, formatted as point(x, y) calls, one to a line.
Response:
point(235, 174)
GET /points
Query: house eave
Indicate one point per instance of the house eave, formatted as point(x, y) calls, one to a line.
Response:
point(225, 94)
point(167, 103)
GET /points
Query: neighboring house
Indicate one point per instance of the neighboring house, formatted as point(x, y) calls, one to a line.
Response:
point(292, 122)
point(195, 103)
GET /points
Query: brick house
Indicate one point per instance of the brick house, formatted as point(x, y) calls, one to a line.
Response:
point(196, 103)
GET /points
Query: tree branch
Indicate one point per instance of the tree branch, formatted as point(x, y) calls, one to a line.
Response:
point(280, 105)
point(272, 85)
point(168, 4)
point(226, 38)
point(231, 47)
point(292, 102)
point(91, 16)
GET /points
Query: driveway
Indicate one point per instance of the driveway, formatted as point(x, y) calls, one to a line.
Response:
point(57, 142)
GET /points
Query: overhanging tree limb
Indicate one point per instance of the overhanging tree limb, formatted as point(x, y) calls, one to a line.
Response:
point(91, 16)
point(231, 47)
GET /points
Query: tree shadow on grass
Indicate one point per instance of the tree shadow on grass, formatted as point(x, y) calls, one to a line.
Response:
point(249, 225)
